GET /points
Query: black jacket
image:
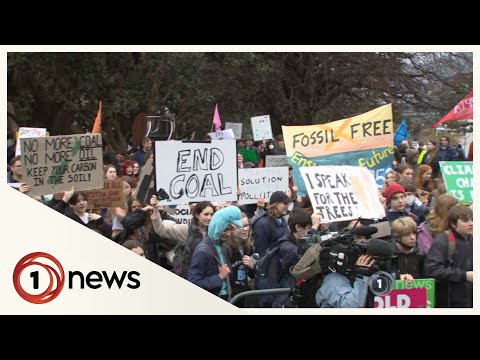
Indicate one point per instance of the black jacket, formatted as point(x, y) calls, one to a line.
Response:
point(410, 263)
point(98, 225)
point(452, 289)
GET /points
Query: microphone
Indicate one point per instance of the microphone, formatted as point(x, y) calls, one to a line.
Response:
point(364, 230)
point(380, 249)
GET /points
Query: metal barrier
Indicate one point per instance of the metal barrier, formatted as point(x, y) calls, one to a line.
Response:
point(249, 293)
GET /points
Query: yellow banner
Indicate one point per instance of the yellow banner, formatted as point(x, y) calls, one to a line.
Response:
point(370, 130)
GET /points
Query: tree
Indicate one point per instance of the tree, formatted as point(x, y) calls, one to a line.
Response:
point(60, 91)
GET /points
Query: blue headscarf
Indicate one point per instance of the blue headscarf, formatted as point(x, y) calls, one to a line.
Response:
point(221, 219)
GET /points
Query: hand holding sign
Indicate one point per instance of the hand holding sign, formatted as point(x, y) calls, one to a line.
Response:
point(24, 188)
point(407, 278)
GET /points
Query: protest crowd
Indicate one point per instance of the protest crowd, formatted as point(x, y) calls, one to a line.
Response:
point(256, 199)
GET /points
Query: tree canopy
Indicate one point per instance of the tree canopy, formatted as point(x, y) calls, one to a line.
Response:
point(61, 91)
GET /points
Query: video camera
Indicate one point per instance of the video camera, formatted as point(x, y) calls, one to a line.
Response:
point(339, 251)
point(321, 252)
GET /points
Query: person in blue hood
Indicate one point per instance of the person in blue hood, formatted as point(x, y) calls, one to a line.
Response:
point(210, 268)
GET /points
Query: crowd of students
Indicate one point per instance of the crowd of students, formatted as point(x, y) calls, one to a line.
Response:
point(218, 249)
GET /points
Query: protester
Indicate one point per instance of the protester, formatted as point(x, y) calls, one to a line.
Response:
point(453, 270)
point(210, 268)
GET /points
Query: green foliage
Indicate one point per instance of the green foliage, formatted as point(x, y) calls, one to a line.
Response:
point(61, 91)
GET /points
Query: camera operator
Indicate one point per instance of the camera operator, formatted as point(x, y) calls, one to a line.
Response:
point(337, 290)
point(348, 288)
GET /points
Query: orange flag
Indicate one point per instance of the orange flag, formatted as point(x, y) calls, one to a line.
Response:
point(97, 125)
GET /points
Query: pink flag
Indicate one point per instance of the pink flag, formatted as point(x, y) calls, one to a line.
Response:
point(462, 111)
point(217, 123)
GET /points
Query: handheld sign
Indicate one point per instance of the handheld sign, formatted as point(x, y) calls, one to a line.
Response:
point(56, 163)
point(261, 127)
point(192, 172)
point(342, 192)
point(261, 182)
point(458, 177)
point(236, 128)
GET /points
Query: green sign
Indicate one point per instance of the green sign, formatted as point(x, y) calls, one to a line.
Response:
point(248, 155)
point(458, 177)
point(428, 284)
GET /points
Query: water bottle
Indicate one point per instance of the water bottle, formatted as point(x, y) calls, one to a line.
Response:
point(241, 274)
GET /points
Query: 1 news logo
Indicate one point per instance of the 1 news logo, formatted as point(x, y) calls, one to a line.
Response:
point(39, 278)
point(39, 260)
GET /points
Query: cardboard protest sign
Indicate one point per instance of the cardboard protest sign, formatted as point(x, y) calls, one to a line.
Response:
point(192, 172)
point(261, 182)
point(112, 195)
point(56, 163)
point(342, 192)
point(146, 182)
point(458, 178)
point(363, 140)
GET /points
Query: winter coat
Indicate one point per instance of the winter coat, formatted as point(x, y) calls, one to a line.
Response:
point(288, 256)
point(98, 225)
point(266, 231)
point(410, 263)
point(452, 288)
point(203, 270)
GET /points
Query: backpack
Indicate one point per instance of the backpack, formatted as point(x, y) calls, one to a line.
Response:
point(184, 252)
point(308, 276)
point(182, 259)
point(452, 243)
point(309, 264)
point(268, 268)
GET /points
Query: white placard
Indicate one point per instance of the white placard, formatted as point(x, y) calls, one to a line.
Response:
point(27, 132)
point(236, 128)
point(343, 192)
point(261, 182)
point(261, 127)
point(222, 135)
point(192, 172)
